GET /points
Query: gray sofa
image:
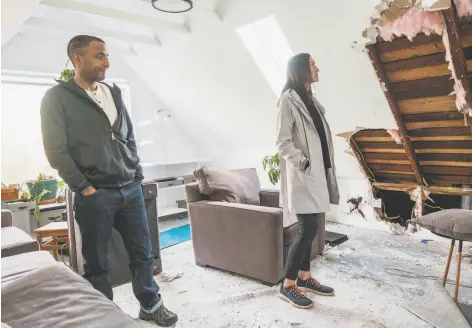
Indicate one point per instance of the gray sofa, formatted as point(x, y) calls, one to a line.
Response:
point(39, 292)
point(14, 240)
point(249, 240)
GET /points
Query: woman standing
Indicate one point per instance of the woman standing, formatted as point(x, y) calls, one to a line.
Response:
point(308, 182)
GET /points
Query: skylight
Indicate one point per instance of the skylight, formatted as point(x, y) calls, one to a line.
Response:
point(269, 47)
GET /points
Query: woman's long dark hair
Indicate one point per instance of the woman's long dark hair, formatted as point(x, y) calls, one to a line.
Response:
point(298, 73)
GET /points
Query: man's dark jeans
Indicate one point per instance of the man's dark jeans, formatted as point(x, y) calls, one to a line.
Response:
point(124, 209)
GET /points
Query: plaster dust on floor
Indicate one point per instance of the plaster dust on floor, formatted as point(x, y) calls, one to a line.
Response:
point(367, 296)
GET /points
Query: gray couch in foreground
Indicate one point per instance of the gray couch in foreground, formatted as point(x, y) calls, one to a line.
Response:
point(249, 240)
point(39, 292)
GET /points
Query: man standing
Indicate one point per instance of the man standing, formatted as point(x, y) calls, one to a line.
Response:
point(88, 137)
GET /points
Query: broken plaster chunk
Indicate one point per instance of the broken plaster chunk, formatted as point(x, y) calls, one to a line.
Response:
point(433, 5)
point(384, 87)
point(395, 134)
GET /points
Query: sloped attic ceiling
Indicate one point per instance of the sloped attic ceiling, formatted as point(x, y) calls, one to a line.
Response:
point(426, 80)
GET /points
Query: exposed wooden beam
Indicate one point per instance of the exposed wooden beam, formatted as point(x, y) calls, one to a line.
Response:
point(460, 65)
point(437, 190)
point(459, 62)
point(52, 24)
point(92, 9)
point(360, 158)
point(394, 107)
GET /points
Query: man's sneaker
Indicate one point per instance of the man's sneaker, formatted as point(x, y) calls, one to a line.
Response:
point(294, 296)
point(312, 285)
point(161, 316)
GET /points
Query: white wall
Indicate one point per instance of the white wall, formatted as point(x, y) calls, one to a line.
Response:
point(216, 88)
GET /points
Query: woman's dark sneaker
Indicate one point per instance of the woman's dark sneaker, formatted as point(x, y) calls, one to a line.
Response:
point(312, 285)
point(294, 296)
point(161, 316)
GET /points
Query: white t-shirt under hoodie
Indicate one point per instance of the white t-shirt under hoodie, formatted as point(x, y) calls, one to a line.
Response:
point(102, 96)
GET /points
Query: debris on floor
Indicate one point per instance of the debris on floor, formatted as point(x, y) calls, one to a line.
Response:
point(167, 278)
point(367, 296)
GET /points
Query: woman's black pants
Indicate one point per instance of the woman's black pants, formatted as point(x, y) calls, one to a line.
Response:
point(299, 254)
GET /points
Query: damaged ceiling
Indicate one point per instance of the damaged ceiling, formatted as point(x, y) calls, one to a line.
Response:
point(422, 54)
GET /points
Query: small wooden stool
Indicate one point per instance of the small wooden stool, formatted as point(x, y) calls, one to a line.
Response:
point(454, 224)
point(58, 232)
point(448, 264)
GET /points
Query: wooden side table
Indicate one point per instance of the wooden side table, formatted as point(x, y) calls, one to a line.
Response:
point(58, 232)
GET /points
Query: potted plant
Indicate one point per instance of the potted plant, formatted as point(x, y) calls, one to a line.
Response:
point(10, 192)
point(271, 164)
point(67, 74)
point(43, 189)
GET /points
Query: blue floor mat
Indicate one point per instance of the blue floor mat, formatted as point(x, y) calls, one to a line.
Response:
point(175, 236)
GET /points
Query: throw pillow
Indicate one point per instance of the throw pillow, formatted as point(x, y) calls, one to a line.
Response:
point(227, 186)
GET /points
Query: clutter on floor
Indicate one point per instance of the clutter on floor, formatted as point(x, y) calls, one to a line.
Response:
point(369, 294)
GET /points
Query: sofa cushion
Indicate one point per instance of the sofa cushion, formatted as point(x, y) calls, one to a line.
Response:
point(16, 241)
point(14, 267)
point(239, 186)
point(56, 296)
point(450, 223)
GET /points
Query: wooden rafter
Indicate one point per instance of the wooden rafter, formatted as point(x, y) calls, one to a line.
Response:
point(360, 158)
point(393, 103)
point(451, 20)
point(435, 190)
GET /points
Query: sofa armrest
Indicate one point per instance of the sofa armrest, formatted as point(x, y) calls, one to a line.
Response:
point(245, 239)
point(269, 198)
point(192, 193)
point(7, 219)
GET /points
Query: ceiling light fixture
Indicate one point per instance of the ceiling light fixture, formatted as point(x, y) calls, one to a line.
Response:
point(173, 6)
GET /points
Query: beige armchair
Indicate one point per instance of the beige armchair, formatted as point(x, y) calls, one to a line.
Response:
point(245, 239)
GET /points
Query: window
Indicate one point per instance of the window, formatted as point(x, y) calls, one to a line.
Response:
point(22, 151)
point(269, 47)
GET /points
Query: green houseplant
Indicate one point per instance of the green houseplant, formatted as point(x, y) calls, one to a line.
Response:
point(43, 190)
point(271, 165)
point(67, 74)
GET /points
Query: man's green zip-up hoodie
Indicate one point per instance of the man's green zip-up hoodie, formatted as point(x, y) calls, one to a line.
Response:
point(82, 145)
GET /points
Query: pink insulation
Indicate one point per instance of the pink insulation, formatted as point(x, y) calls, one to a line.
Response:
point(464, 7)
point(392, 20)
point(413, 22)
point(459, 91)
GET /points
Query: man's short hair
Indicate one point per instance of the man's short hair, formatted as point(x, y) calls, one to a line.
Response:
point(79, 42)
